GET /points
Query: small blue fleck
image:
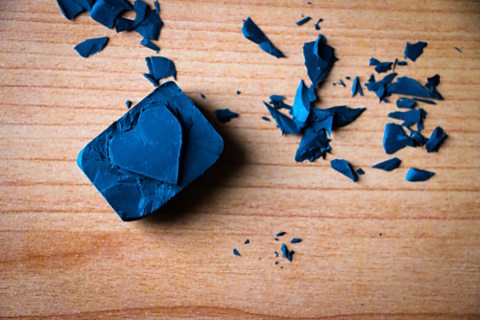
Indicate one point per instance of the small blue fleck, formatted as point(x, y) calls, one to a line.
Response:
point(295, 240)
point(235, 252)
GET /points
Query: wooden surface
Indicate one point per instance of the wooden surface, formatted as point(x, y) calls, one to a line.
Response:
point(381, 248)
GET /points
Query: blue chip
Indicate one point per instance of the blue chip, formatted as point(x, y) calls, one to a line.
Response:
point(343, 115)
point(253, 33)
point(416, 175)
point(301, 22)
point(388, 165)
point(72, 8)
point(344, 168)
point(356, 87)
point(236, 253)
point(414, 50)
point(284, 123)
point(91, 46)
point(406, 103)
point(408, 86)
point(436, 139)
point(106, 12)
point(225, 115)
point(301, 106)
point(395, 138)
point(160, 68)
point(380, 67)
point(295, 240)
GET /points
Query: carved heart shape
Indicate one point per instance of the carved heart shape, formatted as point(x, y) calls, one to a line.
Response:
point(152, 148)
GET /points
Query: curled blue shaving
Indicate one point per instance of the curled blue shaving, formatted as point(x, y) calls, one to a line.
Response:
point(416, 175)
point(253, 33)
point(345, 168)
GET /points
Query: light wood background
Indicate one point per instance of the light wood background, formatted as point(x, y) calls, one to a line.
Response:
point(381, 248)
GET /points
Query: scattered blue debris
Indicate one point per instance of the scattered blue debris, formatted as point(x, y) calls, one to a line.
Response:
point(253, 33)
point(436, 139)
point(236, 253)
point(91, 46)
point(388, 165)
point(225, 115)
point(295, 240)
point(356, 87)
point(407, 103)
point(128, 103)
point(348, 78)
point(415, 175)
point(287, 254)
point(301, 22)
point(345, 168)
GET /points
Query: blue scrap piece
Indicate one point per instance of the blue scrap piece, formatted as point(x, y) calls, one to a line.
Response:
point(150, 27)
point(277, 102)
point(395, 138)
point(253, 33)
point(284, 123)
point(203, 96)
point(150, 45)
point(124, 24)
point(356, 87)
point(360, 171)
point(402, 63)
point(380, 67)
point(408, 86)
point(436, 139)
point(280, 234)
point(287, 254)
point(160, 68)
point(238, 92)
point(301, 106)
point(416, 175)
point(458, 49)
point(247, 241)
point(128, 104)
point(106, 12)
point(225, 115)
point(317, 24)
point(295, 240)
point(340, 82)
point(345, 168)
point(319, 59)
point(414, 50)
point(431, 85)
point(388, 165)
point(343, 115)
point(152, 153)
point(266, 119)
point(236, 253)
point(91, 46)
point(410, 117)
point(72, 8)
point(406, 103)
point(151, 79)
point(302, 21)
point(424, 100)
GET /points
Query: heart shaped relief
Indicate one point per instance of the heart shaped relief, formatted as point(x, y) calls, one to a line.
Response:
point(152, 148)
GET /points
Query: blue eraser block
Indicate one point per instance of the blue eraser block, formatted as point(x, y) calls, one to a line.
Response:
point(153, 152)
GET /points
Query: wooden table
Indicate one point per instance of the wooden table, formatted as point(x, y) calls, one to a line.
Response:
point(382, 248)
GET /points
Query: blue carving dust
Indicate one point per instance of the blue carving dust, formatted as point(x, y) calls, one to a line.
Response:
point(153, 152)
point(91, 46)
point(253, 33)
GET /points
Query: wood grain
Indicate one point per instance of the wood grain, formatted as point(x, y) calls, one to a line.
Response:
point(378, 249)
